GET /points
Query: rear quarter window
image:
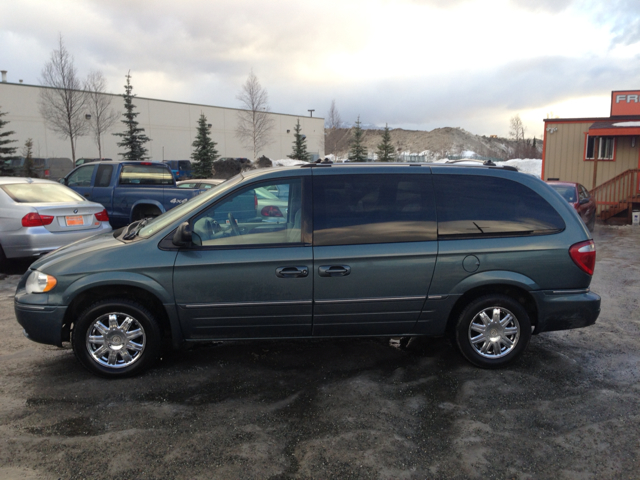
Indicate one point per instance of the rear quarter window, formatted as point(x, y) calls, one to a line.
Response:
point(482, 206)
point(145, 175)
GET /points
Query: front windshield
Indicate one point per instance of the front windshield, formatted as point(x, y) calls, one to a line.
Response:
point(158, 223)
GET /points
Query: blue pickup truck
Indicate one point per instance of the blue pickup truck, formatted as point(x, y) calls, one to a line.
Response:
point(128, 190)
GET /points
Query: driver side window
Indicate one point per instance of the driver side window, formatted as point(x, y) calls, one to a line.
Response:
point(253, 216)
point(81, 177)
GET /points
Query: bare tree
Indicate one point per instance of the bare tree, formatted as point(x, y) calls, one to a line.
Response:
point(62, 106)
point(516, 133)
point(254, 122)
point(332, 134)
point(333, 120)
point(103, 117)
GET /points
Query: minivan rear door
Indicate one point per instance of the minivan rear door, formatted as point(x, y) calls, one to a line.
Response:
point(375, 248)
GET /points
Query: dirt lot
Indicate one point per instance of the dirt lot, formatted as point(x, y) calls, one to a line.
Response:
point(341, 408)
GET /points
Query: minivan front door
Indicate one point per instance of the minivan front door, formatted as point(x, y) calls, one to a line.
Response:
point(246, 277)
point(375, 250)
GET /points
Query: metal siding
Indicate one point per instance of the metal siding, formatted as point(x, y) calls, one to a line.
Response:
point(171, 125)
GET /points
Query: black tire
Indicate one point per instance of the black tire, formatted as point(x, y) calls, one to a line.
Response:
point(3, 258)
point(121, 355)
point(509, 331)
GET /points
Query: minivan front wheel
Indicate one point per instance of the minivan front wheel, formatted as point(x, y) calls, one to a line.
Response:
point(116, 338)
point(492, 331)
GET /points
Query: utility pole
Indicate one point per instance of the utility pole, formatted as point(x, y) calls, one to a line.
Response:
point(311, 112)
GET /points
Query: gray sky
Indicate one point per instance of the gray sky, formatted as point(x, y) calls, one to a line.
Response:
point(416, 64)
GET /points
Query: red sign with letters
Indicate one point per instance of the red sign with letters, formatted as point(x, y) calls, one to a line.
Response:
point(625, 102)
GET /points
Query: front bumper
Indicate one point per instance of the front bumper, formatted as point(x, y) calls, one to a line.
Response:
point(41, 323)
point(565, 309)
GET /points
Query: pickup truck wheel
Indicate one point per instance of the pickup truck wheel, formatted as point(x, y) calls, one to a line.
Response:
point(116, 338)
point(493, 331)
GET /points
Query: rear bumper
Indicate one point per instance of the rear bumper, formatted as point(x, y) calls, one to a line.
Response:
point(566, 309)
point(35, 241)
point(42, 324)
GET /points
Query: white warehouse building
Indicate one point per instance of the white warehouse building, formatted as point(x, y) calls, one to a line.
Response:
point(171, 126)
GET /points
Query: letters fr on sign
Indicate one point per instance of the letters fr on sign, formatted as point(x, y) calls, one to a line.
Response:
point(625, 102)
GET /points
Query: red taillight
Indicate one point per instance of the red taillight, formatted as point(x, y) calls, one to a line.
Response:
point(36, 220)
point(584, 255)
point(271, 211)
point(102, 216)
point(255, 201)
point(146, 163)
point(46, 173)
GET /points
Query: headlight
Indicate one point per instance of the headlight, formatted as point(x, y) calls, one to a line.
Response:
point(39, 282)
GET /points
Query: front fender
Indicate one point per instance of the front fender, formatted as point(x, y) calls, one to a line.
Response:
point(113, 278)
point(494, 277)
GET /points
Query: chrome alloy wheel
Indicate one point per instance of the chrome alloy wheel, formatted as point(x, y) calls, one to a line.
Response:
point(115, 340)
point(494, 332)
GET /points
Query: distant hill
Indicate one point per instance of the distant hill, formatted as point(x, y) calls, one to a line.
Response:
point(434, 144)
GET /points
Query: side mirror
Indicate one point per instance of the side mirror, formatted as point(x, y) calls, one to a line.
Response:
point(583, 201)
point(183, 236)
point(63, 181)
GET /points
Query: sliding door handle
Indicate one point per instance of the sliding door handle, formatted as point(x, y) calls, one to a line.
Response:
point(334, 270)
point(292, 272)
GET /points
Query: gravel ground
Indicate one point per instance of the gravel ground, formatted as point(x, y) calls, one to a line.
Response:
point(338, 408)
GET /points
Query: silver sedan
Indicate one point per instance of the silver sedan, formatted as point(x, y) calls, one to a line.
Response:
point(38, 216)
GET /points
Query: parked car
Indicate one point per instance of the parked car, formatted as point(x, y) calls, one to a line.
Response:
point(49, 168)
point(39, 216)
point(128, 190)
point(373, 250)
point(181, 169)
point(580, 198)
point(200, 183)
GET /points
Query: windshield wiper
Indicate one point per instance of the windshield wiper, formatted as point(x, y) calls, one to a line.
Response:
point(134, 228)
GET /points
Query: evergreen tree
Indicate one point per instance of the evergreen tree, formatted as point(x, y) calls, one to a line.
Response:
point(28, 170)
point(5, 151)
point(204, 150)
point(299, 145)
point(385, 149)
point(133, 138)
point(357, 152)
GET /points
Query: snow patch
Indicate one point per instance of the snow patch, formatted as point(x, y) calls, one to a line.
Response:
point(627, 124)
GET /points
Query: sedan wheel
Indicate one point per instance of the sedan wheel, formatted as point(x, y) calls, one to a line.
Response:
point(492, 331)
point(116, 338)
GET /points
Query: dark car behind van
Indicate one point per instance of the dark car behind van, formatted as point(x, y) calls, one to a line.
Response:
point(53, 168)
point(181, 169)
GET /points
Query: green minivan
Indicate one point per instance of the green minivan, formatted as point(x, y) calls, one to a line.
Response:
point(483, 254)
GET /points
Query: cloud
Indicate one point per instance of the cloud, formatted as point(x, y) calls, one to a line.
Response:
point(552, 6)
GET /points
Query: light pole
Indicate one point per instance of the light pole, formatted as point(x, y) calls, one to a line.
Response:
point(311, 112)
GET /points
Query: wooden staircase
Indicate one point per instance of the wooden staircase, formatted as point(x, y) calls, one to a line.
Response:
point(618, 194)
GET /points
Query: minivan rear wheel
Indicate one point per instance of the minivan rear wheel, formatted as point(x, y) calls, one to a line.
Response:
point(116, 338)
point(492, 331)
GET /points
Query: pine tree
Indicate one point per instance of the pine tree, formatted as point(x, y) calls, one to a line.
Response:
point(133, 138)
point(204, 150)
point(385, 149)
point(299, 145)
point(5, 151)
point(357, 152)
point(28, 169)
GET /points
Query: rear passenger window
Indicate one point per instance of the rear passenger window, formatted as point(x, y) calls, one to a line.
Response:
point(103, 177)
point(479, 206)
point(145, 175)
point(366, 209)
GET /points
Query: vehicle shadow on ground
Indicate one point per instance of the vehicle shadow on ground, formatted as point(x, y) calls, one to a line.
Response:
point(16, 266)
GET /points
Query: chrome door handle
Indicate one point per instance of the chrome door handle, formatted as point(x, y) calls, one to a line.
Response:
point(334, 270)
point(292, 272)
